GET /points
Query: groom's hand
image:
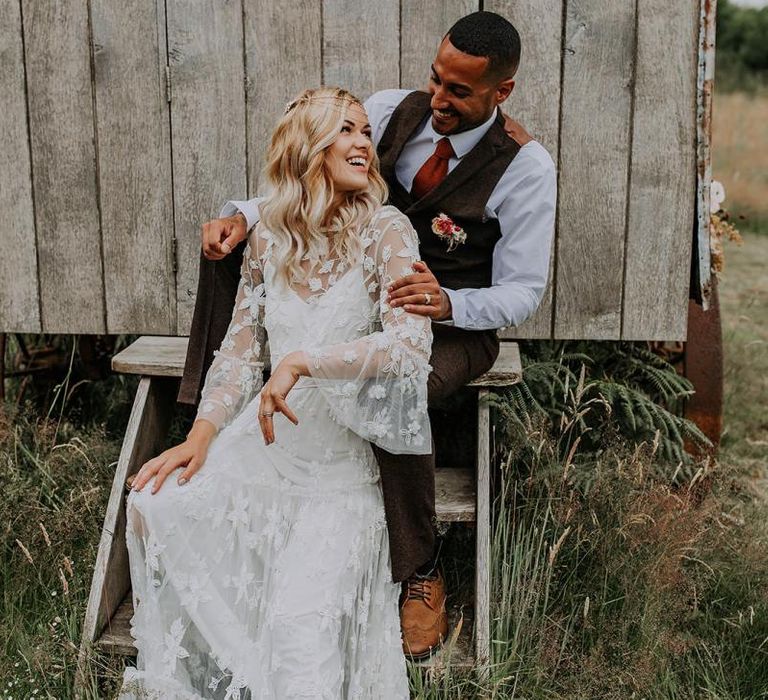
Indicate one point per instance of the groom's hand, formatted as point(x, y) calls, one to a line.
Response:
point(412, 292)
point(220, 236)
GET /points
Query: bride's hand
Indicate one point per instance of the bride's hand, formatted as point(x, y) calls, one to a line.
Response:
point(275, 391)
point(189, 454)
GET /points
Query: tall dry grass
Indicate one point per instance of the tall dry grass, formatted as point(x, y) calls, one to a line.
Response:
point(57, 457)
point(635, 588)
point(613, 577)
point(54, 479)
point(740, 154)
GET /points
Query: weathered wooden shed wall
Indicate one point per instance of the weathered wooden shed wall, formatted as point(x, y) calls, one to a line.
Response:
point(126, 124)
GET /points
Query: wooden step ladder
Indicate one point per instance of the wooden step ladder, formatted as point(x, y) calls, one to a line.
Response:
point(461, 496)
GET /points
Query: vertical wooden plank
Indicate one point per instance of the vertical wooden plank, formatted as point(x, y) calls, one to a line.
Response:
point(276, 71)
point(594, 161)
point(361, 45)
point(663, 176)
point(424, 23)
point(535, 103)
point(483, 554)
point(20, 309)
point(134, 166)
point(61, 127)
point(205, 53)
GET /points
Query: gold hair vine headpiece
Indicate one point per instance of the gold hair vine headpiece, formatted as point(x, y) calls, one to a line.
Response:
point(338, 100)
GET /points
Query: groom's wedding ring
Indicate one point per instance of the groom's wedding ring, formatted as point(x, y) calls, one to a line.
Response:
point(427, 298)
point(266, 415)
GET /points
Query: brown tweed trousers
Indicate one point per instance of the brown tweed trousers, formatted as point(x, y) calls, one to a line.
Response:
point(458, 356)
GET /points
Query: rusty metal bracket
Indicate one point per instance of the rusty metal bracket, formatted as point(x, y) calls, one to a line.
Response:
point(704, 367)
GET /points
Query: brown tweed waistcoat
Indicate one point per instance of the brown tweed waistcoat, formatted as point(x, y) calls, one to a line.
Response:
point(462, 195)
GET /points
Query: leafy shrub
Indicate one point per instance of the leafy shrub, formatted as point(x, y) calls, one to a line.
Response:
point(598, 394)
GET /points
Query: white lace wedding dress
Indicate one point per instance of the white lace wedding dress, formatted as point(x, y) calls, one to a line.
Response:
point(268, 575)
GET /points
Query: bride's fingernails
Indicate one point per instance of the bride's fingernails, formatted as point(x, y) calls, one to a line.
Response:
point(182, 481)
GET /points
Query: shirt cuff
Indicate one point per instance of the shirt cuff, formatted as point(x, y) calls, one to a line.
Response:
point(458, 309)
point(246, 208)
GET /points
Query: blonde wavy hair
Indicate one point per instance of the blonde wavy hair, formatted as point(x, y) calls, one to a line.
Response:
point(298, 211)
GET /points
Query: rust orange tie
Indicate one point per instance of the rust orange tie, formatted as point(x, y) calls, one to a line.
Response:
point(433, 171)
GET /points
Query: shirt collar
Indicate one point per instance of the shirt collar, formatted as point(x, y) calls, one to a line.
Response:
point(465, 141)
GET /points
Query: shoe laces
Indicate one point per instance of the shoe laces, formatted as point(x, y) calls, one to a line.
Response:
point(417, 588)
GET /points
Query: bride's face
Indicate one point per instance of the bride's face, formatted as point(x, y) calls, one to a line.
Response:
point(347, 159)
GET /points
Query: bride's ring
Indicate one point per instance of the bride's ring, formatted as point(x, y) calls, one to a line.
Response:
point(427, 298)
point(266, 415)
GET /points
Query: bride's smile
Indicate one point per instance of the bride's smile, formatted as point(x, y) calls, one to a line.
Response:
point(348, 158)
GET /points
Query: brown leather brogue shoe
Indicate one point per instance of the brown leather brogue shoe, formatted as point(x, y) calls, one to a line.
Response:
point(423, 617)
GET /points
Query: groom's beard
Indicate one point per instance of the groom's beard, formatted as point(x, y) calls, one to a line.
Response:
point(446, 125)
point(455, 124)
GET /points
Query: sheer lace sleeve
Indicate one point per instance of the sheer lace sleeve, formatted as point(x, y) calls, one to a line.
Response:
point(377, 385)
point(236, 372)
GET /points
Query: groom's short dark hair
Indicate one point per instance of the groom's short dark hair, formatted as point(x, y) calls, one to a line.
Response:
point(491, 36)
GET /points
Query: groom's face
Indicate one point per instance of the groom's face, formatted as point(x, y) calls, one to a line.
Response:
point(463, 95)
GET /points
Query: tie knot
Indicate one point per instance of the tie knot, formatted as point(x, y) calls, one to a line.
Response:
point(444, 149)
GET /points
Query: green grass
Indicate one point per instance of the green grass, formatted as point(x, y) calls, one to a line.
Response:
point(55, 479)
point(744, 303)
point(57, 456)
point(733, 664)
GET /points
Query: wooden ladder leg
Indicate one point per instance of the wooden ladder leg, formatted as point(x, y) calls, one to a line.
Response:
point(483, 551)
point(147, 427)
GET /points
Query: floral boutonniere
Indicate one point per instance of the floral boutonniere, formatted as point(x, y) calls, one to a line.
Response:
point(444, 227)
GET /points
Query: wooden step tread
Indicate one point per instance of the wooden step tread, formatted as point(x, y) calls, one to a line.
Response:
point(455, 491)
point(456, 653)
point(507, 370)
point(116, 637)
point(154, 356)
point(163, 356)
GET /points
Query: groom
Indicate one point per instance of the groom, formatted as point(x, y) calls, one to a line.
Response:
point(444, 153)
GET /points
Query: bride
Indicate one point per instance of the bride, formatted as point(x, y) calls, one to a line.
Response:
point(261, 570)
